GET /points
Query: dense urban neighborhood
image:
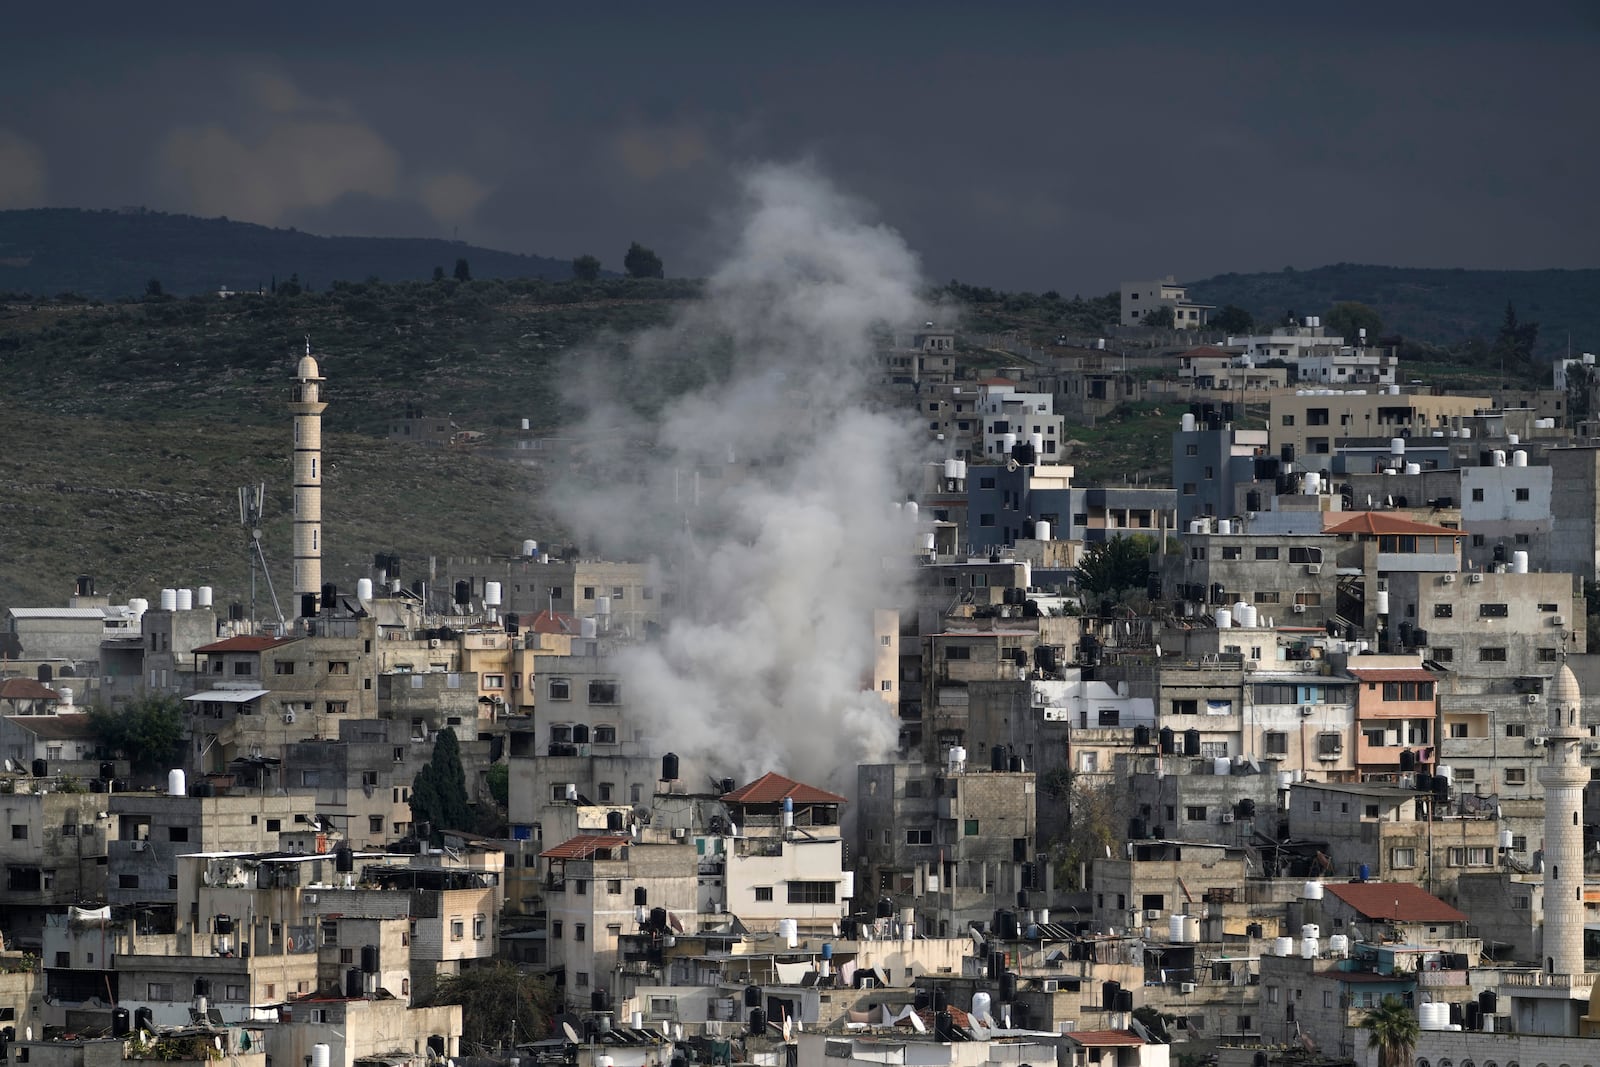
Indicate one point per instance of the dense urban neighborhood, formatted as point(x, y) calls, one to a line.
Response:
point(925, 751)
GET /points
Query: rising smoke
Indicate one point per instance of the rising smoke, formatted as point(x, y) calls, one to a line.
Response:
point(768, 493)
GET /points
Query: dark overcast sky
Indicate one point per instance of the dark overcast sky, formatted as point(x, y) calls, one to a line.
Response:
point(1023, 145)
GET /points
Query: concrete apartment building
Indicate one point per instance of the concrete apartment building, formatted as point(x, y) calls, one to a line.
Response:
point(1575, 512)
point(1396, 717)
point(1157, 878)
point(1012, 417)
point(54, 855)
point(1139, 299)
point(1488, 625)
point(1204, 801)
point(1288, 578)
point(1005, 504)
point(633, 594)
point(361, 780)
point(1210, 460)
point(1306, 426)
point(1506, 509)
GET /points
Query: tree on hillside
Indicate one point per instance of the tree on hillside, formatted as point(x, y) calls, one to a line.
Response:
point(1161, 318)
point(1581, 383)
point(152, 288)
point(1392, 1030)
point(641, 262)
point(1348, 317)
point(1233, 320)
point(1112, 566)
point(438, 274)
point(1516, 338)
point(1091, 821)
point(439, 793)
point(148, 733)
point(463, 271)
point(500, 1005)
point(586, 268)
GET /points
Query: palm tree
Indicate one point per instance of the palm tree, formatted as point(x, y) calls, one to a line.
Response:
point(1394, 1032)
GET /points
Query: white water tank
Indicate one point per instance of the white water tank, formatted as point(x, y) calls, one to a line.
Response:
point(186, 600)
point(202, 597)
point(1175, 923)
point(1397, 446)
point(911, 510)
point(1308, 948)
point(929, 541)
point(1505, 839)
point(1037, 441)
point(1466, 434)
point(1499, 457)
point(1283, 946)
point(1311, 930)
point(530, 547)
point(1519, 562)
point(587, 628)
point(602, 605)
point(65, 693)
point(319, 1055)
point(1413, 468)
point(491, 594)
point(1311, 483)
point(1445, 771)
point(1008, 441)
point(1041, 530)
point(981, 1004)
point(1519, 458)
point(961, 468)
point(1223, 619)
point(1383, 602)
point(177, 783)
point(363, 588)
point(138, 605)
point(1311, 891)
point(169, 600)
point(1249, 618)
point(1221, 765)
point(1339, 945)
point(1433, 1015)
point(789, 930)
point(1186, 424)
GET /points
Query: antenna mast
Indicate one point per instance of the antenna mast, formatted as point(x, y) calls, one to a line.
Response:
point(252, 500)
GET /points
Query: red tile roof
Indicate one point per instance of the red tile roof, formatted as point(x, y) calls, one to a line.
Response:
point(1104, 1037)
point(1379, 522)
point(772, 788)
point(247, 643)
point(584, 846)
point(1391, 674)
point(554, 622)
point(26, 689)
point(1398, 901)
point(957, 1017)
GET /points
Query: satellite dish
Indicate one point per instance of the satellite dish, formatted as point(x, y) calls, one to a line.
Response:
point(572, 1035)
point(8, 765)
point(917, 1024)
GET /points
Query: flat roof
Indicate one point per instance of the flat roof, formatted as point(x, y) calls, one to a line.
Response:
point(228, 696)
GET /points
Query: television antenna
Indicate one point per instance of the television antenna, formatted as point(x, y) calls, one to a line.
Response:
point(252, 501)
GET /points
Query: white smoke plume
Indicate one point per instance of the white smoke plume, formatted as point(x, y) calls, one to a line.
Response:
point(768, 494)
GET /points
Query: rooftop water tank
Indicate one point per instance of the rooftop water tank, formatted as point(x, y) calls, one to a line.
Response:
point(319, 1055)
point(530, 547)
point(1519, 562)
point(363, 588)
point(1041, 530)
point(1223, 618)
point(202, 597)
point(491, 594)
point(169, 600)
point(176, 783)
point(1397, 446)
point(186, 600)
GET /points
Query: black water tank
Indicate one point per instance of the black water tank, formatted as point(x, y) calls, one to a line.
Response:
point(1408, 760)
point(752, 996)
point(369, 959)
point(202, 987)
point(353, 982)
point(1124, 1000)
point(1254, 930)
point(995, 964)
point(599, 1000)
point(1441, 787)
point(44, 673)
point(1108, 994)
point(1008, 987)
point(614, 822)
point(308, 605)
point(40, 768)
point(669, 767)
point(1022, 899)
point(1470, 1013)
point(1456, 1016)
point(330, 595)
point(1247, 808)
point(1169, 741)
point(941, 998)
point(944, 1026)
point(1191, 742)
point(1028, 872)
point(1138, 829)
point(640, 897)
point(758, 1022)
point(997, 757)
point(1014, 764)
point(144, 1019)
point(344, 860)
point(463, 592)
point(885, 908)
point(120, 1022)
point(222, 924)
point(513, 623)
point(1488, 1002)
point(108, 771)
point(1009, 930)
point(436, 1044)
point(1141, 736)
point(1424, 781)
point(658, 918)
point(920, 999)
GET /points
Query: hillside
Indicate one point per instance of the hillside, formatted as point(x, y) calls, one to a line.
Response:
point(112, 254)
point(1441, 307)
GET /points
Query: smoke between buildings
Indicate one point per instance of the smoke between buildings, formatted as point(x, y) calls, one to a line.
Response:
point(767, 493)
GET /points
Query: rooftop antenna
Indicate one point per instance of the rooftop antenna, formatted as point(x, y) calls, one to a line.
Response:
point(252, 502)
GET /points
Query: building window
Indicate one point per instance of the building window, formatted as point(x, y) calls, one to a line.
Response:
point(1443, 653)
point(603, 691)
point(1266, 552)
point(337, 707)
point(1547, 655)
point(1330, 744)
point(1402, 857)
point(158, 991)
point(1516, 729)
point(1522, 494)
point(1230, 552)
point(1188, 489)
point(560, 689)
point(812, 892)
point(494, 681)
point(374, 824)
point(1185, 707)
point(458, 929)
point(339, 667)
point(1195, 812)
point(278, 667)
point(1492, 655)
point(1477, 496)
point(919, 837)
point(764, 893)
point(19, 831)
point(1276, 743)
point(177, 833)
point(480, 926)
point(1516, 776)
point(970, 829)
point(555, 929)
point(1443, 611)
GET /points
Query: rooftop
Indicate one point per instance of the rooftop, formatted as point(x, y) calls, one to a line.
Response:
point(26, 689)
point(58, 613)
point(774, 788)
point(584, 846)
point(1392, 674)
point(1105, 1037)
point(1380, 523)
point(246, 643)
point(55, 727)
point(1399, 901)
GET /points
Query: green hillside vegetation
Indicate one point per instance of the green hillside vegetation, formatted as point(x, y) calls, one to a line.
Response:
point(111, 254)
point(1446, 309)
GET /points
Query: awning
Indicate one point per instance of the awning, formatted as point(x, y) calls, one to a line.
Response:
point(228, 696)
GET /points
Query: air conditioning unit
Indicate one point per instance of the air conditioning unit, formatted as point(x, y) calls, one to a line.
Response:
point(1298, 609)
point(139, 845)
point(309, 898)
point(433, 642)
point(869, 982)
point(1050, 985)
point(1307, 710)
point(1448, 579)
point(288, 716)
point(1152, 915)
point(679, 833)
point(1474, 577)
point(1533, 698)
point(1313, 568)
point(1558, 620)
point(1186, 987)
point(1227, 817)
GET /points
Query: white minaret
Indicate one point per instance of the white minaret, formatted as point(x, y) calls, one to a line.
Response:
point(1563, 777)
point(307, 405)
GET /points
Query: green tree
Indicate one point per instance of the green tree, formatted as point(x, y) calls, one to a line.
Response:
point(1392, 1030)
point(1516, 338)
point(1091, 821)
point(438, 274)
point(439, 793)
point(500, 1005)
point(586, 268)
point(498, 778)
point(148, 733)
point(1233, 320)
point(1348, 317)
point(463, 271)
point(1161, 318)
point(1112, 566)
point(641, 262)
point(152, 288)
